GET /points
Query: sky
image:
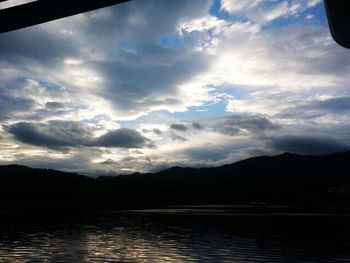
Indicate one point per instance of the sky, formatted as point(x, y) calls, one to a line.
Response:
point(146, 85)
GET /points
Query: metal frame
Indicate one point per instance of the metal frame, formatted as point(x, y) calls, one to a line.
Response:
point(338, 14)
point(42, 11)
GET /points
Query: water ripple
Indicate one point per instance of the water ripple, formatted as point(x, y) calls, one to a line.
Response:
point(172, 238)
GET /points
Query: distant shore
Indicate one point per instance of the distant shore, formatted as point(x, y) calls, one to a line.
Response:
point(209, 210)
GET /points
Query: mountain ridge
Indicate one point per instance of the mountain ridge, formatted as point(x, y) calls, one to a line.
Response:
point(285, 154)
point(285, 178)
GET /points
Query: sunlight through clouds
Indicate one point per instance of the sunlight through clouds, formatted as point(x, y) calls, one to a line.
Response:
point(146, 85)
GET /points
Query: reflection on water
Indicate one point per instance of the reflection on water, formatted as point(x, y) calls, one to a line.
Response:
point(154, 237)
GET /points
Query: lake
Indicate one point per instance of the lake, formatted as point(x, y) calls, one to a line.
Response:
point(175, 236)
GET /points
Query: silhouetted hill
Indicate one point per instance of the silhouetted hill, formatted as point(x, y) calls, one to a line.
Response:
point(20, 172)
point(286, 178)
point(23, 185)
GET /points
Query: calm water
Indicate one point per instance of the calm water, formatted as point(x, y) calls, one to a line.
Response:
point(176, 237)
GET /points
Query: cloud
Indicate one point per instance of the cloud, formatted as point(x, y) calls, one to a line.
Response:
point(61, 134)
point(82, 52)
point(48, 136)
point(157, 131)
point(197, 125)
point(164, 77)
point(178, 72)
point(208, 154)
point(179, 127)
point(238, 6)
point(313, 145)
point(122, 138)
point(177, 137)
point(292, 57)
point(317, 108)
point(339, 104)
point(11, 106)
point(54, 105)
point(235, 124)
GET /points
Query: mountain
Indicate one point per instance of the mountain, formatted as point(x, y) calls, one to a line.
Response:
point(286, 178)
point(21, 185)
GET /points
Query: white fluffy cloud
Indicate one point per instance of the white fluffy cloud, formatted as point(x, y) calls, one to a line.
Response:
point(288, 58)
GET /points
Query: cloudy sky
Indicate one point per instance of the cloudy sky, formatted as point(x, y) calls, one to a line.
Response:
point(146, 85)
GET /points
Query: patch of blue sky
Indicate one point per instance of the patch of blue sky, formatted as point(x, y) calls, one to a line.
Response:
point(48, 85)
point(215, 10)
point(206, 110)
point(76, 106)
point(21, 80)
point(170, 41)
point(209, 109)
point(96, 119)
point(126, 46)
point(318, 14)
point(159, 116)
point(236, 92)
point(216, 108)
point(314, 16)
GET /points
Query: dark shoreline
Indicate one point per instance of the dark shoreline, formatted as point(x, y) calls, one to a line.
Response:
point(217, 210)
point(286, 183)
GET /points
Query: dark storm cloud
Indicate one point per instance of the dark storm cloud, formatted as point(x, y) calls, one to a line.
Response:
point(147, 20)
point(61, 134)
point(122, 138)
point(317, 108)
point(197, 125)
point(179, 127)
point(140, 84)
point(155, 131)
point(108, 162)
point(177, 137)
point(35, 44)
point(234, 124)
point(54, 105)
point(313, 145)
point(55, 134)
point(333, 104)
point(10, 106)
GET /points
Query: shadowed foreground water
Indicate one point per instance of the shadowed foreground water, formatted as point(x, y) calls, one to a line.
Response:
point(156, 237)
